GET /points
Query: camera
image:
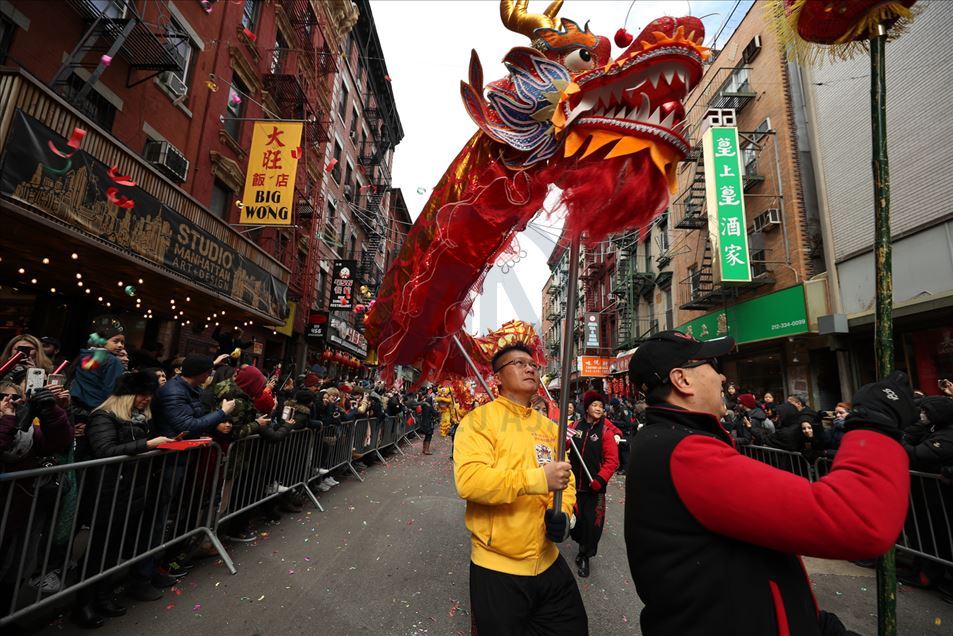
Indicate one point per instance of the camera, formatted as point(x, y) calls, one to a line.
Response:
point(25, 350)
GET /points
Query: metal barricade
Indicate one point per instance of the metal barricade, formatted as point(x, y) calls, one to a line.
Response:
point(781, 459)
point(256, 470)
point(927, 531)
point(822, 467)
point(335, 450)
point(70, 526)
point(391, 434)
point(367, 434)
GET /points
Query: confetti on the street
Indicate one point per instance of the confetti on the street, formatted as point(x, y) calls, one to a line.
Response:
point(454, 608)
point(170, 606)
point(196, 607)
point(261, 598)
point(290, 572)
point(217, 583)
point(307, 558)
point(176, 591)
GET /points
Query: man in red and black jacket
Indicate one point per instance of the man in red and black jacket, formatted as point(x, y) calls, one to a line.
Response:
point(705, 525)
point(594, 437)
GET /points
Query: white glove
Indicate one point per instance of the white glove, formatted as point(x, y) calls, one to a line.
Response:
point(617, 439)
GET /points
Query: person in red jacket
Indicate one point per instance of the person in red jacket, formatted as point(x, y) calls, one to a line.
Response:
point(594, 437)
point(706, 525)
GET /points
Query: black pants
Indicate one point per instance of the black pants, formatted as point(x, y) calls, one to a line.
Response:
point(590, 519)
point(511, 605)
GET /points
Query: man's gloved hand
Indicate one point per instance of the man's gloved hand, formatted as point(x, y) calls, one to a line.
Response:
point(595, 485)
point(557, 526)
point(885, 407)
point(42, 402)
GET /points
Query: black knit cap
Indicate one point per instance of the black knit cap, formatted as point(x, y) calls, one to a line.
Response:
point(939, 410)
point(667, 350)
point(107, 326)
point(136, 383)
point(196, 365)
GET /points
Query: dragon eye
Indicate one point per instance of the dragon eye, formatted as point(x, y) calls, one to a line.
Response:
point(579, 60)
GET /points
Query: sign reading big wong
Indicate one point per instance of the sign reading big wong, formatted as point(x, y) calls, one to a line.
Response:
point(724, 189)
point(270, 181)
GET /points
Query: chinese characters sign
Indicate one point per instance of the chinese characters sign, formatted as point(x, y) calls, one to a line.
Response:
point(724, 189)
point(342, 285)
point(270, 181)
point(592, 331)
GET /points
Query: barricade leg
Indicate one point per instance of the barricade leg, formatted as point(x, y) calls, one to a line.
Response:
point(217, 544)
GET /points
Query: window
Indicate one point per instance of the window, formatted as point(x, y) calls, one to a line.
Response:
point(7, 28)
point(342, 101)
point(648, 253)
point(347, 175)
point(694, 281)
point(332, 212)
point(762, 130)
point(758, 266)
point(353, 123)
point(235, 108)
point(179, 41)
point(250, 13)
point(663, 233)
point(111, 8)
point(279, 54)
point(336, 170)
point(322, 281)
point(749, 155)
point(738, 82)
point(221, 200)
point(353, 251)
point(93, 105)
point(341, 238)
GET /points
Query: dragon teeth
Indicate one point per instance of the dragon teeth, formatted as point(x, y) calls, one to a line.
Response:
point(654, 117)
point(667, 122)
point(669, 76)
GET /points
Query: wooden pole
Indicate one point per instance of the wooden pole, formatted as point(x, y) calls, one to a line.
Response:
point(568, 351)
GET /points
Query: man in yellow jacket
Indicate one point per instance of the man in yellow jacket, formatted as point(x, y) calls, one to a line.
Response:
point(505, 467)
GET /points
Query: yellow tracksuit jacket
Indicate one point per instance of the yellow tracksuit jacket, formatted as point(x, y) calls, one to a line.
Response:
point(498, 455)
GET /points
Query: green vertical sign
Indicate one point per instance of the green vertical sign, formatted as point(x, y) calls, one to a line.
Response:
point(724, 190)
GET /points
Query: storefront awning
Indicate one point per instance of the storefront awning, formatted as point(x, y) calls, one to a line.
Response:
point(621, 363)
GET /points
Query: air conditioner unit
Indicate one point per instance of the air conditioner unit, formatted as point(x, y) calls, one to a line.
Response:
point(168, 159)
point(772, 219)
point(173, 83)
point(752, 49)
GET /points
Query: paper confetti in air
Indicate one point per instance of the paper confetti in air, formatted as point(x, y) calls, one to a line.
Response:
point(119, 200)
point(105, 60)
point(119, 179)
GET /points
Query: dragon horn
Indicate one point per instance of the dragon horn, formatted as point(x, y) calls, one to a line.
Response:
point(516, 19)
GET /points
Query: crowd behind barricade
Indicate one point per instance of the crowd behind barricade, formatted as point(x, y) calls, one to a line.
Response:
point(106, 406)
point(762, 421)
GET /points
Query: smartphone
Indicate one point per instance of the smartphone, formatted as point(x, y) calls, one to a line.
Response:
point(35, 379)
point(56, 379)
point(286, 414)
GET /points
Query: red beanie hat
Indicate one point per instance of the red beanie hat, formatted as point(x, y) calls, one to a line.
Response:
point(311, 380)
point(747, 400)
point(592, 396)
point(251, 381)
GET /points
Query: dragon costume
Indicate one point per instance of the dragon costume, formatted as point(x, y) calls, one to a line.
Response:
point(605, 131)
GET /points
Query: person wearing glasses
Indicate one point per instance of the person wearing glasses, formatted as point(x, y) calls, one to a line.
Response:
point(506, 468)
point(706, 525)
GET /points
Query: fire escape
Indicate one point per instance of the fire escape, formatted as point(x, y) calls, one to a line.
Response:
point(117, 29)
point(373, 162)
point(296, 91)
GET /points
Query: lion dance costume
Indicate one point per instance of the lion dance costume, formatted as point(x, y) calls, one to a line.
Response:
point(606, 131)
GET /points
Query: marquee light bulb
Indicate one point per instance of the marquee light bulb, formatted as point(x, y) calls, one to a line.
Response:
point(46, 261)
point(74, 256)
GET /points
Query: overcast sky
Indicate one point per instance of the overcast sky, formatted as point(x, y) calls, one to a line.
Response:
point(427, 50)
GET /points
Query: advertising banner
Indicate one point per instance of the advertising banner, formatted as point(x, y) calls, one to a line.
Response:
point(782, 313)
point(268, 198)
point(317, 329)
point(592, 331)
point(76, 191)
point(724, 189)
point(594, 366)
point(343, 285)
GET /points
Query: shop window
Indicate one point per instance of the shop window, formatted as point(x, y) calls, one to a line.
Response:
point(93, 105)
point(7, 29)
point(221, 200)
point(251, 11)
point(235, 108)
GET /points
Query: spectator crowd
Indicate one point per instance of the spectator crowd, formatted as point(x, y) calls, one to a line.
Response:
point(109, 403)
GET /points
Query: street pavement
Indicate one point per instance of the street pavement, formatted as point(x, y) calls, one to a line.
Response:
point(390, 556)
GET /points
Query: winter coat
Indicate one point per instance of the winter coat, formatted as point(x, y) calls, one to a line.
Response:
point(110, 436)
point(177, 408)
point(934, 449)
point(91, 387)
point(835, 436)
point(24, 445)
point(705, 526)
point(596, 443)
point(788, 434)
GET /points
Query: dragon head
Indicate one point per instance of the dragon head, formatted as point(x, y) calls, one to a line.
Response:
point(565, 96)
